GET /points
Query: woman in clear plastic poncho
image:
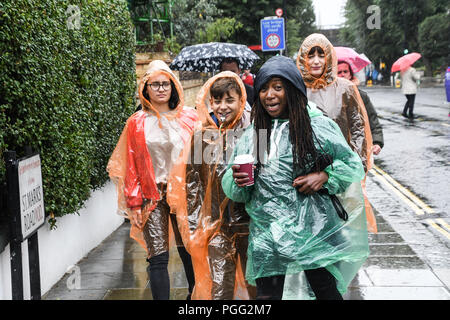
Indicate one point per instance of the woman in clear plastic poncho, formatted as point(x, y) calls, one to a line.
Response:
point(214, 229)
point(140, 165)
point(297, 234)
point(338, 99)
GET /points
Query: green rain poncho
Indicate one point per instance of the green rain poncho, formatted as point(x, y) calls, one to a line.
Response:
point(290, 231)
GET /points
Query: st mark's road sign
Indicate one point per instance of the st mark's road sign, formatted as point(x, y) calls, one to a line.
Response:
point(31, 195)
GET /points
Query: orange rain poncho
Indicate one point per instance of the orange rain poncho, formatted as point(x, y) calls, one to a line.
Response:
point(339, 99)
point(149, 146)
point(214, 229)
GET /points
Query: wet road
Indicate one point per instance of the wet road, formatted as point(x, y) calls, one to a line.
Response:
point(410, 184)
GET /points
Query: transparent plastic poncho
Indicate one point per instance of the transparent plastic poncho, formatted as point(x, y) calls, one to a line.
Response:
point(339, 99)
point(290, 231)
point(147, 150)
point(213, 228)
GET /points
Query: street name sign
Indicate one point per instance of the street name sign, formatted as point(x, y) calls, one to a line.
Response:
point(30, 195)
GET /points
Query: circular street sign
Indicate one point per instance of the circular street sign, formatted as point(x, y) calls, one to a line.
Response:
point(279, 12)
point(273, 40)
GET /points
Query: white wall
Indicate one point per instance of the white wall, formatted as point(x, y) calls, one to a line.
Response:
point(63, 247)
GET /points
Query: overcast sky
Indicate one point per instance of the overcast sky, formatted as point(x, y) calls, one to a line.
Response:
point(329, 12)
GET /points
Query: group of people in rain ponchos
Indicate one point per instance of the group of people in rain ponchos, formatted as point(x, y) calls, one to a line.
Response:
point(301, 230)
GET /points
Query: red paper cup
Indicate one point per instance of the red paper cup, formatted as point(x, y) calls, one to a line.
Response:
point(245, 163)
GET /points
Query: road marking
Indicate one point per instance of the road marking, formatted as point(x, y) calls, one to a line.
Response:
point(405, 191)
point(412, 201)
point(443, 223)
point(411, 204)
point(445, 124)
point(438, 228)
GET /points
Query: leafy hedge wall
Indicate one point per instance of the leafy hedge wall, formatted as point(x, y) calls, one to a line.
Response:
point(66, 89)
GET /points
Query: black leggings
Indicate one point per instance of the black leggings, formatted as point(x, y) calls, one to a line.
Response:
point(409, 105)
point(322, 283)
point(159, 274)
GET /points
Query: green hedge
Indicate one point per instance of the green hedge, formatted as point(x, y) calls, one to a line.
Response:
point(66, 89)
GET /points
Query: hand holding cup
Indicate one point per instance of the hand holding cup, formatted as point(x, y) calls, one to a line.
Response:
point(243, 169)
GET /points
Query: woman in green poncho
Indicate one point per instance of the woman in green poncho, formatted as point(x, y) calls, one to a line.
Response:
point(299, 246)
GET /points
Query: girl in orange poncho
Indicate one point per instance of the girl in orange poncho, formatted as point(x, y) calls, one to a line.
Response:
point(214, 228)
point(339, 99)
point(148, 148)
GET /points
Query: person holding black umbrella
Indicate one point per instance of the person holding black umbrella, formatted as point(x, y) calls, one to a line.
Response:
point(231, 64)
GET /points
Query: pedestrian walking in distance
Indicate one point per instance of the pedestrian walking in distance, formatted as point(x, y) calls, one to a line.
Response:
point(409, 89)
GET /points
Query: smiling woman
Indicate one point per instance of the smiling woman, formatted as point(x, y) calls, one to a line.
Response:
point(295, 228)
point(273, 98)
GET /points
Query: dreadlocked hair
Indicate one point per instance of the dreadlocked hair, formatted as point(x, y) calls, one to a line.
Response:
point(301, 134)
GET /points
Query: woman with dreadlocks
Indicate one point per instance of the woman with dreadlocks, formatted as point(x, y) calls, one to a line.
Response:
point(308, 231)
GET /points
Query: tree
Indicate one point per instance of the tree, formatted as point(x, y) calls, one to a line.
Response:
point(191, 16)
point(221, 30)
point(299, 25)
point(399, 30)
point(299, 17)
point(434, 41)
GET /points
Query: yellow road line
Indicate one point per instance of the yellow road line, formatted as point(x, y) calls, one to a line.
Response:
point(434, 225)
point(413, 206)
point(443, 223)
point(405, 191)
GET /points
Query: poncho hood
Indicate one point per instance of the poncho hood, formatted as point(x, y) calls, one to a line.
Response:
point(155, 68)
point(203, 101)
point(330, 69)
point(283, 67)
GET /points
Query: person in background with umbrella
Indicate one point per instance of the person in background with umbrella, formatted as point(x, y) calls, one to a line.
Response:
point(339, 99)
point(409, 89)
point(140, 165)
point(409, 76)
point(231, 64)
point(346, 71)
point(214, 56)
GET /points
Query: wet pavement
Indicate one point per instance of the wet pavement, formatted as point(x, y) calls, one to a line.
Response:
point(116, 270)
point(409, 190)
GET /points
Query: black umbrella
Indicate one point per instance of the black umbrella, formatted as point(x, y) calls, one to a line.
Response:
point(206, 57)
